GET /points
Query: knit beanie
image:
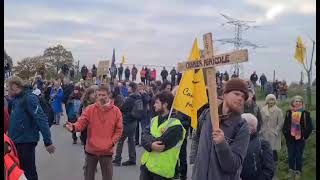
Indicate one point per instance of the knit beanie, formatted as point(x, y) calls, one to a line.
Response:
point(299, 98)
point(270, 96)
point(236, 84)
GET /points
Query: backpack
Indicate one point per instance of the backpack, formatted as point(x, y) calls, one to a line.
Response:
point(46, 107)
point(137, 109)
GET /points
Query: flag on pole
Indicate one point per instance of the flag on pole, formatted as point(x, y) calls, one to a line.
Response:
point(192, 94)
point(300, 51)
point(113, 58)
point(123, 60)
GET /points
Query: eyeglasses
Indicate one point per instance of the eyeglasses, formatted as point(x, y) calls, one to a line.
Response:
point(297, 101)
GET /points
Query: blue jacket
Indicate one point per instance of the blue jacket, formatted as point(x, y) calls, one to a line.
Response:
point(124, 91)
point(24, 128)
point(57, 98)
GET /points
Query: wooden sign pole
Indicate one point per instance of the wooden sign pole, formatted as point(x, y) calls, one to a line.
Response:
point(211, 82)
point(208, 63)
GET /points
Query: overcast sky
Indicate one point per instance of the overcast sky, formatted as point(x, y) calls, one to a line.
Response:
point(160, 32)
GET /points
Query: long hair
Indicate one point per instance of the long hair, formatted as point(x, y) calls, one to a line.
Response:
point(86, 95)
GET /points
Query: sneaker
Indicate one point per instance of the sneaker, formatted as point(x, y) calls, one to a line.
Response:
point(297, 175)
point(291, 174)
point(116, 162)
point(129, 163)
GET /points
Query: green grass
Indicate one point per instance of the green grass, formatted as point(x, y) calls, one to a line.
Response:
point(309, 164)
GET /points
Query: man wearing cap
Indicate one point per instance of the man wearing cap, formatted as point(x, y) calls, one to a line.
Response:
point(221, 152)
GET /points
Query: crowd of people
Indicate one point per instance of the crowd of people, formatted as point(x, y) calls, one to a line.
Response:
point(245, 146)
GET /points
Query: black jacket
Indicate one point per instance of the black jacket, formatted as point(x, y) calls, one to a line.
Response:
point(305, 123)
point(170, 137)
point(164, 73)
point(127, 107)
point(259, 156)
point(67, 90)
point(127, 73)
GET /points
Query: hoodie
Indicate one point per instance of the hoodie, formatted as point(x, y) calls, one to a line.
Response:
point(104, 128)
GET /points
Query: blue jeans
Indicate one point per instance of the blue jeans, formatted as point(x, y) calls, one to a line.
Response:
point(295, 153)
point(57, 117)
point(282, 97)
point(26, 153)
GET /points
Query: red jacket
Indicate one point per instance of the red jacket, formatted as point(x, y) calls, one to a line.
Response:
point(104, 128)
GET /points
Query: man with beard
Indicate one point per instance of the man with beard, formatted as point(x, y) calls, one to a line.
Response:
point(221, 151)
point(104, 123)
point(162, 142)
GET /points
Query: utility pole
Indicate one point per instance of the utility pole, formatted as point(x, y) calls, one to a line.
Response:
point(237, 41)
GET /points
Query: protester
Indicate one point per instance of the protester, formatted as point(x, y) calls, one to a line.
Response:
point(73, 108)
point(283, 90)
point(254, 78)
point(117, 97)
point(164, 74)
point(94, 70)
point(104, 121)
point(144, 121)
point(226, 76)
point(129, 126)
point(120, 71)
point(84, 71)
point(26, 111)
point(143, 75)
point(221, 152)
point(56, 96)
point(182, 166)
point(258, 163)
point(263, 80)
point(148, 76)
point(88, 98)
point(272, 122)
point(153, 75)
point(12, 169)
point(134, 72)
point(127, 73)
point(173, 74)
point(162, 142)
point(296, 130)
point(250, 106)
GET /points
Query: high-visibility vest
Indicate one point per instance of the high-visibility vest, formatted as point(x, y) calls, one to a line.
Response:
point(11, 162)
point(163, 163)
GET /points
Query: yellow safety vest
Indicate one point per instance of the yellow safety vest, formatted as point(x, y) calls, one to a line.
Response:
point(163, 163)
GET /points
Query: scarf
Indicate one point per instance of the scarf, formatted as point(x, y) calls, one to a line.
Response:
point(296, 113)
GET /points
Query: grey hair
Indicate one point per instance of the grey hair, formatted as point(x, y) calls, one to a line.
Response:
point(251, 119)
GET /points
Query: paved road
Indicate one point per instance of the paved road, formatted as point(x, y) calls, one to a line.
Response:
point(68, 160)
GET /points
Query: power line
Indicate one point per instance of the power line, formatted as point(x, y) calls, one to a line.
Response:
point(238, 42)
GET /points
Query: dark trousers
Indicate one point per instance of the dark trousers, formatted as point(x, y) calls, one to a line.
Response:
point(295, 154)
point(182, 164)
point(143, 123)
point(143, 80)
point(131, 147)
point(74, 136)
point(173, 82)
point(27, 157)
point(91, 165)
point(275, 155)
point(145, 174)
